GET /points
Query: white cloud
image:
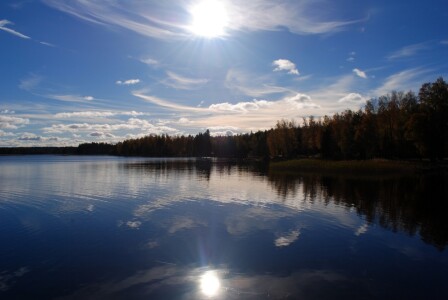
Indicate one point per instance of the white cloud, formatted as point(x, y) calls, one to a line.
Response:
point(241, 106)
point(149, 61)
point(131, 124)
point(31, 137)
point(128, 82)
point(301, 101)
point(8, 122)
point(7, 111)
point(134, 224)
point(3, 27)
point(353, 98)
point(360, 73)
point(26, 136)
point(362, 229)
point(285, 65)
point(99, 134)
point(255, 114)
point(224, 130)
point(444, 42)
point(180, 82)
point(4, 133)
point(184, 121)
point(287, 239)
point(408, 51)
point(160, 20)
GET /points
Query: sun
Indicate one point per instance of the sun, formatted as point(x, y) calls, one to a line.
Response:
point(209, 19)
point(210, 284)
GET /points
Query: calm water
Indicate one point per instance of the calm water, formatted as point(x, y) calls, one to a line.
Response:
point(119, 228)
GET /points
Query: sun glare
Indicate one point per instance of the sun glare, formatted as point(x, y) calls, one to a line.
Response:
point(210, 284)
point(209, 19)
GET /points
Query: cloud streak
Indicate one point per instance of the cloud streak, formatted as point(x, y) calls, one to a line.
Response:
point(407, 51)
point(96, 114)
point(405, 80)
point(71, 98)
point(3, 27)
point(252, 85)
point(127, 82)
point(180, 82)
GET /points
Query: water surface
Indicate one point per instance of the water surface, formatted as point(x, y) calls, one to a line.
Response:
point(132, 228)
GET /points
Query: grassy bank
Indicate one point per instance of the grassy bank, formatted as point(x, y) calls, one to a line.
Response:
point(361, 167)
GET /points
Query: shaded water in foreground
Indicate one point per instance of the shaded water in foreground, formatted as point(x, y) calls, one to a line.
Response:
point(118, 228)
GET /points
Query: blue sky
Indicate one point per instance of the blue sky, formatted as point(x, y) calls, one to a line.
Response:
point(76, 71)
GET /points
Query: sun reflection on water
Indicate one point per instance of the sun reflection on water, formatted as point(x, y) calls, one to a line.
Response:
point(210, 284)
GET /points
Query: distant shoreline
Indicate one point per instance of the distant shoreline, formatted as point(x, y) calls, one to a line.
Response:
point(302, 165)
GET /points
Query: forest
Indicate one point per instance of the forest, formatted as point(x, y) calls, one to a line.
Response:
point(399, 125)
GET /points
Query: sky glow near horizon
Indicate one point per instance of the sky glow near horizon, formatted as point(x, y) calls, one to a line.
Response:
point(103, 71)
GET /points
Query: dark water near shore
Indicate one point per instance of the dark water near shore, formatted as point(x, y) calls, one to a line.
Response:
point(129, 228)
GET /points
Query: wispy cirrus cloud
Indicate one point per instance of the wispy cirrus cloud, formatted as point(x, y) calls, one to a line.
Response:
point(35, 84)
point(403, 81)
point(157, 21)
point(165, 103)
point(177, 81)
point(70, 97)
point(252, 85)
point(4, 23)
point(285, 65)
point(407, 51)
point(5, 26)
point(96, 114)
point(30, 82)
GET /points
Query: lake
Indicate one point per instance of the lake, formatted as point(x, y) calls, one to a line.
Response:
point(137, 228)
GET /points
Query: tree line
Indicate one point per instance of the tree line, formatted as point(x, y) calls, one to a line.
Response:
point(398, 125)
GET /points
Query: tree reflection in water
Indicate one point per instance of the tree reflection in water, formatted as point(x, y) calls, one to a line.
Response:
point(412, 204)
